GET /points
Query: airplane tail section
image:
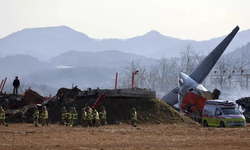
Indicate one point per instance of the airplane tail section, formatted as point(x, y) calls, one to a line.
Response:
point(206, 65)
point(203, 69)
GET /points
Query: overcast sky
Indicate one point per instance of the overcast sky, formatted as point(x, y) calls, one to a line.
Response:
point(185, 19)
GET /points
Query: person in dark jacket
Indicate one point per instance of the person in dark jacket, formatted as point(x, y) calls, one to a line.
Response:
point(16, 84)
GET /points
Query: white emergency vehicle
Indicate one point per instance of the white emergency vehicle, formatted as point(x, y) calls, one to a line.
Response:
point(222, 113)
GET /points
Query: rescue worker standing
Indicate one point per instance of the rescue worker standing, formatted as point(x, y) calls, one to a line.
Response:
point(103, 116)
point(89, 117)
point(16, 84)
point(84, 115)
point(70, 117)
point(90, 109)
point(2, 117)
point(96, 118)
point(64, 116)
point(133, 117)
point(75, 116)
point(35, 116)
point(44, 116)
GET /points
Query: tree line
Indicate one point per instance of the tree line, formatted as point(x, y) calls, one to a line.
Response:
point(228, 74)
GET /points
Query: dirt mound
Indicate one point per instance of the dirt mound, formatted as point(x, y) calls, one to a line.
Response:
point(32, 97)
point(118, 110)
point(68, 93)
point(149, 111)
point(10, 101)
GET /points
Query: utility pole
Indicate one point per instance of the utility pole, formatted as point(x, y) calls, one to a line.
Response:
point(133, 77)
point(116, 76)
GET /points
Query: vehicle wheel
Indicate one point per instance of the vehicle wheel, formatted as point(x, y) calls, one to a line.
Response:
point(222, 124)
point(205, 124)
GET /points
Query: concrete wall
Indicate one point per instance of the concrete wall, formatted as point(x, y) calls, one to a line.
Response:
point(137, 93)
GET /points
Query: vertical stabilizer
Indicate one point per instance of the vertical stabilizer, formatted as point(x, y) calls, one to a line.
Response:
point(203, 69)
point(206, 65)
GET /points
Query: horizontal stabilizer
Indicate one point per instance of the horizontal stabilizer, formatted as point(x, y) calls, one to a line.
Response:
point(171, 98)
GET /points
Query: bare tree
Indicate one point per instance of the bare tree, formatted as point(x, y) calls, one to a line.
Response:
point(141, 77)
point(189, 58)
point(167, 73)
point(243, 63)
point(153, 78)
point(126, 73)
point(231, 67)
point(221, 70)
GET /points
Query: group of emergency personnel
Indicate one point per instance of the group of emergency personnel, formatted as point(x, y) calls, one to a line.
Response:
point(43, 116)
point(71, 116)
point(90, 117)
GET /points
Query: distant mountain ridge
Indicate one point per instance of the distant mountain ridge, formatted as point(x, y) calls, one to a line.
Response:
point(89, 69)
point(105, 59)
point(48, 42)
point(86, 68)
point(240, 52)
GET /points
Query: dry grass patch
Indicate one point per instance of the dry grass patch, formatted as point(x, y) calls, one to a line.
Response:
point(113, 137)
